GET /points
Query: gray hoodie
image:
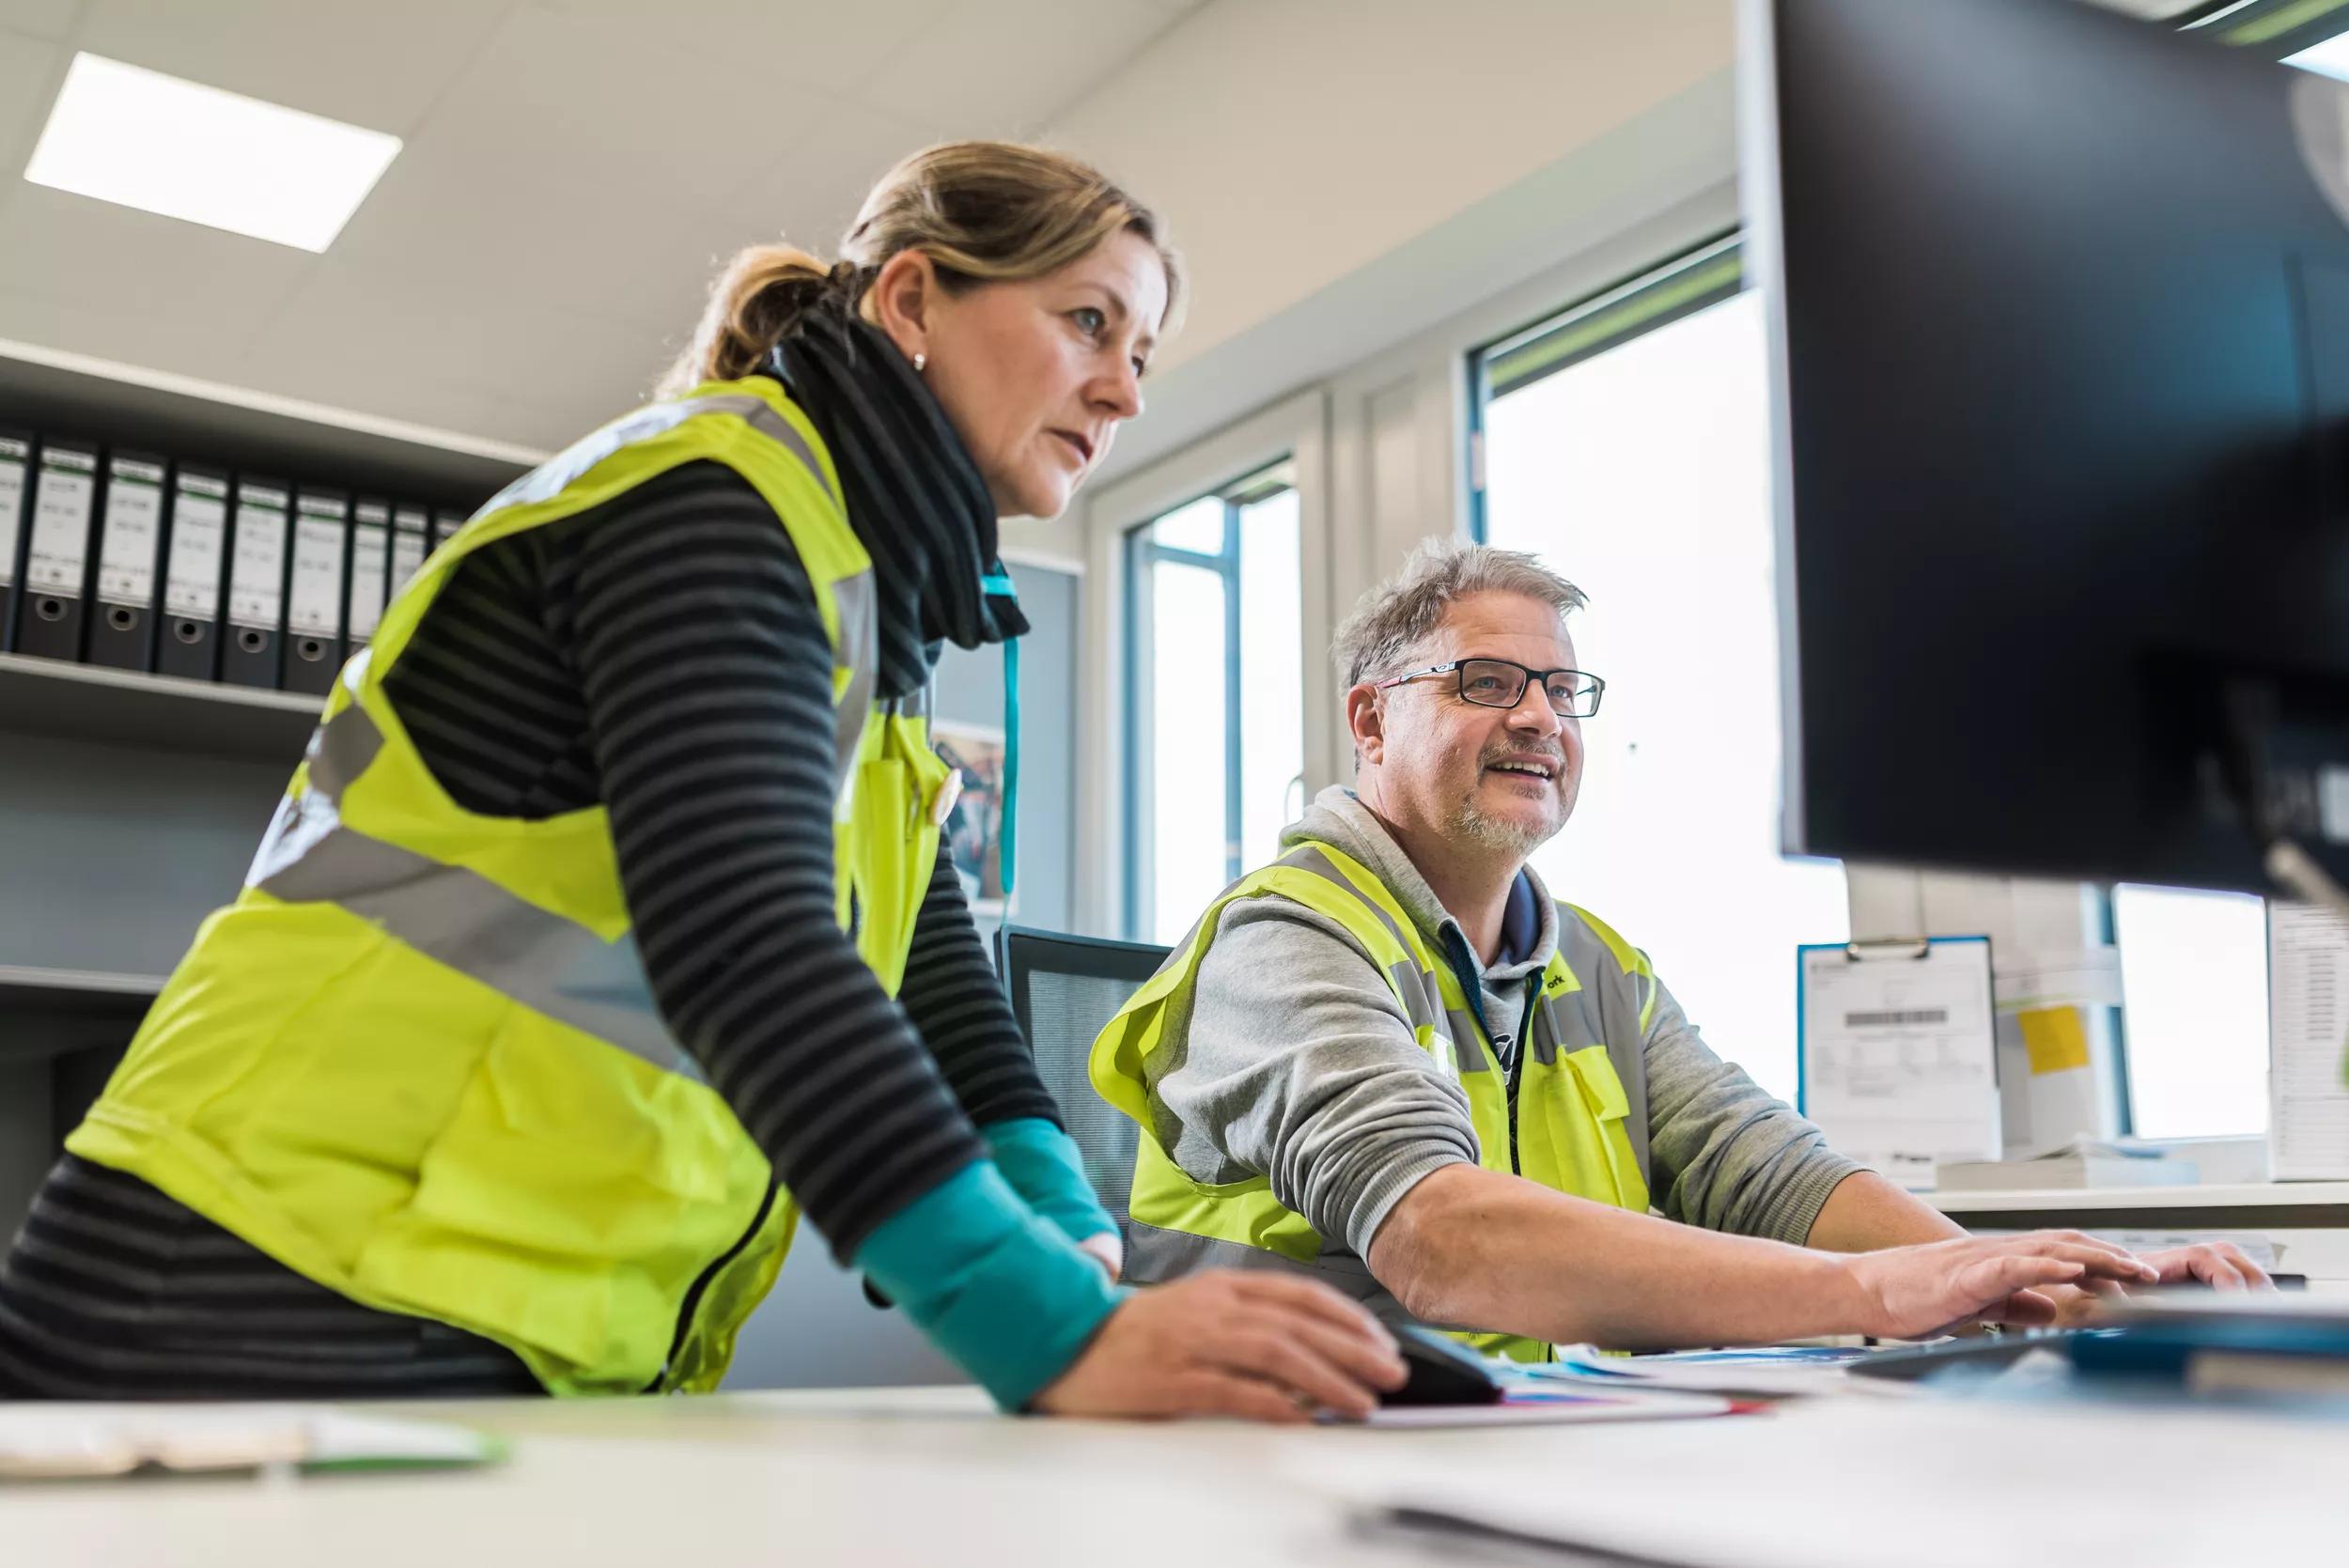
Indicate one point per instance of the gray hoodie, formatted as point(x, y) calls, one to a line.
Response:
point(1295, 1063)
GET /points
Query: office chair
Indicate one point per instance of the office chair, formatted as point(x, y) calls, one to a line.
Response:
point(1063, 990)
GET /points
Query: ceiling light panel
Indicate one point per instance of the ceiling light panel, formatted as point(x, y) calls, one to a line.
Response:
point(140, 138)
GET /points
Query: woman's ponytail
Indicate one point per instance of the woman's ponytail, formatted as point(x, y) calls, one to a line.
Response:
point(763, 291)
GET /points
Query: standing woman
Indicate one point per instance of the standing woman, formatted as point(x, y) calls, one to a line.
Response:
point(602, 931)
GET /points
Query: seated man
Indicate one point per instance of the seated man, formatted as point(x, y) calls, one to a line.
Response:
point(1391, 1060)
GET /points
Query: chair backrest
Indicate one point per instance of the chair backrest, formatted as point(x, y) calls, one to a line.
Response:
point(1064, 989)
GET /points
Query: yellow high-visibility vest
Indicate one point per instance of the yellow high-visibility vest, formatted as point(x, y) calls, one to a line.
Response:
point(1572, 1127)
point(418, 1060)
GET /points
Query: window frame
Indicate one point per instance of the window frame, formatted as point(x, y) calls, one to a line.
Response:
point(1295, 430)
point(1142, 554)
point(1695, 279)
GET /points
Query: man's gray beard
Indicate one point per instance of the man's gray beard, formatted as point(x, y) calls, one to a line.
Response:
point(1507, 838)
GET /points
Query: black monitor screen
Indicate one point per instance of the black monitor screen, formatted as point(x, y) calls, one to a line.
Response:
point(2061, 321)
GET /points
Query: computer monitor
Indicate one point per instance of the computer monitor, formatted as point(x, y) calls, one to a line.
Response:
point(2059, 319)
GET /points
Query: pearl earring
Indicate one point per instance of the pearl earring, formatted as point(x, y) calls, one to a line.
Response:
point(921, 363)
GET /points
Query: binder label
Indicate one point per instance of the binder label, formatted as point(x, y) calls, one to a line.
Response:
point(200, 527)
point(370, 554)
point(12, 455)
point(318, 575)
point(256, 570)
point(408, 546)
point(61, 511)
point(126, 550)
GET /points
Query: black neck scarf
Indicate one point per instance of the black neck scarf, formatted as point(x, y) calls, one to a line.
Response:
point(914, 497)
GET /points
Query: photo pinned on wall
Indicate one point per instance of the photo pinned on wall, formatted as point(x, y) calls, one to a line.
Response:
point(973, 830)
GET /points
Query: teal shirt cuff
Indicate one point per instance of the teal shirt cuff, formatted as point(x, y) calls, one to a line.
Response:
point(994, 1285)
point(1042, 1164)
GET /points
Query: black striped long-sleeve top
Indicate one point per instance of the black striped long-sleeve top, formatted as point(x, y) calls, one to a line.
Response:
point(663, 655)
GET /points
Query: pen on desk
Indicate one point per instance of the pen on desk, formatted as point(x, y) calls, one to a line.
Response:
point(1437, 1527)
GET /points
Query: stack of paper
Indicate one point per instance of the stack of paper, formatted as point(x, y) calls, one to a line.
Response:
point(1770, 1371)
point(61, 1441)
point(2308, 1016)
point(1861, 1483)
point(2082, 1163)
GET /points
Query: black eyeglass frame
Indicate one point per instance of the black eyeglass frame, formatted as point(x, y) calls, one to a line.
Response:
point(1525, 677)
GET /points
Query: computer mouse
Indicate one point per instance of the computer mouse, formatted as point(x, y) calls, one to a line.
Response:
point(1442, 1371)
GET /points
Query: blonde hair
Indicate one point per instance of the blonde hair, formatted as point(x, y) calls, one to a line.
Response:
point(1391, 621)
point(982, 211)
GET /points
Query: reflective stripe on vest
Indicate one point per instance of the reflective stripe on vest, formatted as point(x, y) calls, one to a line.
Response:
point(552, 477)
point(1563, 1012)
point(453, 914)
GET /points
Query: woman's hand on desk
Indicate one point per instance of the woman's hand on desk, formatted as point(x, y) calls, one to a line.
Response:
point(2220, 1265)
point(1913, 1292)
point(1231, 1342)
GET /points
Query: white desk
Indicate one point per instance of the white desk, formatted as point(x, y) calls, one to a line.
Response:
point(925, 1477)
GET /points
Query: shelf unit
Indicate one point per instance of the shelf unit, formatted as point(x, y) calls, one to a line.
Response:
point(2218, 1207)
point(131, 803)
point(80, 701)
point(24, 988)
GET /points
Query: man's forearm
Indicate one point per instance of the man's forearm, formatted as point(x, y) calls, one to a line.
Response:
point(1866, 1213)
point(1476, 1249)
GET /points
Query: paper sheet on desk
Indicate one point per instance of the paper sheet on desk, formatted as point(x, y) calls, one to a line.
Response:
point(1924, 1483)
point(1528, 1403)
point(1771, 1372)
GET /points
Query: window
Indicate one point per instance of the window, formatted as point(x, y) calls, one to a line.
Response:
point(2194, 1010)
point(1215, 737)
point(1627, 446)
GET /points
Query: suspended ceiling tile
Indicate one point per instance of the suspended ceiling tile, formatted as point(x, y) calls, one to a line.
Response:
point(361, 61)
point(813, 188)
point(807, 197)
point(185, 343)
point(97, 255)
point(461, 226)
point(41, 18)
point(1006, 68)
point(567, 98)
point(761, 45)
point(349, 336)
point(29, 74)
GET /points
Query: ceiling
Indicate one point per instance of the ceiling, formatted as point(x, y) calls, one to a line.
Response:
point(574, 170)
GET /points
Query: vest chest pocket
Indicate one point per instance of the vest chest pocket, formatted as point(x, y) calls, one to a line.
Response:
point(1584, 1110)
point(892, 848)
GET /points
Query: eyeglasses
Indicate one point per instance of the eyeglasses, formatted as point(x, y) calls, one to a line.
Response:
point(1501, 683)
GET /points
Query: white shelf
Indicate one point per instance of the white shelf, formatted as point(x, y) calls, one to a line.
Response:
point(25, 989)
point(83, 702)
point(2302, 1202)
point(128, 406)
point(47, 1013)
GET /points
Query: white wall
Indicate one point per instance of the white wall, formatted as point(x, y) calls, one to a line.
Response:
point(1291, 142)
point(1340, 177)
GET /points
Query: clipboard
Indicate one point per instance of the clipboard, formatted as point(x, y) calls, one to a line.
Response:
point(1896, 1051)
